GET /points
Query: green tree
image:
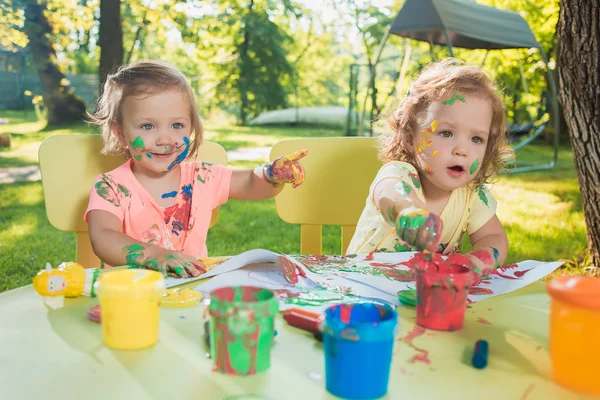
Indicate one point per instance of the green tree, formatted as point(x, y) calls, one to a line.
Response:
point(247, 44)
point(62, 104)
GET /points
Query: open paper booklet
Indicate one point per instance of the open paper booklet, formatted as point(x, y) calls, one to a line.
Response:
point(303, 280)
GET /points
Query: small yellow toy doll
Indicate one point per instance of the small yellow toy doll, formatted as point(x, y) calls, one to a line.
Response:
point(68, 280)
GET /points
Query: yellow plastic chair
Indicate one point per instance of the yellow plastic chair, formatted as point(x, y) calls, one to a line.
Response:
point(339, 172)
point(69, 164)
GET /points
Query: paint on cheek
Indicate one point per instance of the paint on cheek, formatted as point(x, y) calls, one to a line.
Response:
point(138, 157)
point(137, 142)
point(148, 155)
point(183, 154)
point(474, 166)
point(435, 152)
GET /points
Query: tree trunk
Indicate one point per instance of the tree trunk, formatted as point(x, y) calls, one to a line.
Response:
point(63, 106)
point(579, 74)
point(111, 38)
point(244, 66)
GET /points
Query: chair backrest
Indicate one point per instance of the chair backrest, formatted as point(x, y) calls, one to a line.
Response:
point(339, 172)
point(69, 164)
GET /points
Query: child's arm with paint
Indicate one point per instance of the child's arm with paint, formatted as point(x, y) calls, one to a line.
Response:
point(267, 180)
point(114, 247)
point(402, 208)
point(490, 247)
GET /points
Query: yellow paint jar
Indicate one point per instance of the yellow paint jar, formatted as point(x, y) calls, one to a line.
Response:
point(574, 330)
point(130, 307)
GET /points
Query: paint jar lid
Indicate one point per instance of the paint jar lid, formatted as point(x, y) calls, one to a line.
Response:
point(580, 291)
point(179, 298)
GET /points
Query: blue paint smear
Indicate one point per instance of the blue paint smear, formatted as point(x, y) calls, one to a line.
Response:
point(148, 155)
point(182, 155)
point(170, 194)
point(186, 191)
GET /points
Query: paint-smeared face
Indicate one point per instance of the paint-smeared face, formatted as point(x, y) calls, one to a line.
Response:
point(450, 149)
point(157, 129)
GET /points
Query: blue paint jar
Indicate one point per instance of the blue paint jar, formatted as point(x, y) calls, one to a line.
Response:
point(358, 340)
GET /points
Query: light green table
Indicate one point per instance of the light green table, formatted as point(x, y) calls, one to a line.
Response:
point(47, 354)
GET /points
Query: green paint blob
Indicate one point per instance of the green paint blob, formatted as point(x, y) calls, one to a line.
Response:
point(137, 142)
point(474, 166)
point(241, 329)
point(456, 96)
point(408, 296)
point(138, 157)
point(134, 254)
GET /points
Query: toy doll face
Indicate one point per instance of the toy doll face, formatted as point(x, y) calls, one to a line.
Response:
point(56, 284)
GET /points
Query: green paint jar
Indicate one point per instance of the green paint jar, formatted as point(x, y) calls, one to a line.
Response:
point(241, 329)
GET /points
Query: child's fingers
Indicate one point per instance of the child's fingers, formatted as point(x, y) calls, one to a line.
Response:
point(191, 269)
point(179, 271)
point(299, 178)
point(294, 157)
point(200, 266)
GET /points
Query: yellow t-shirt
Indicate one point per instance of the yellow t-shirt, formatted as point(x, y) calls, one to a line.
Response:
point(467, 211)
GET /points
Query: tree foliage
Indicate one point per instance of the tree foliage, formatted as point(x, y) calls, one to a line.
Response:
point(247, 56)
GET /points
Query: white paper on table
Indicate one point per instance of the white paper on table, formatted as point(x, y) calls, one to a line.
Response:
point(337, 275)
point(271, 277)
point(235, 262)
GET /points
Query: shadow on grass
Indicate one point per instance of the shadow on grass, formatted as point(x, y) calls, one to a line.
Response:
point(6, 162)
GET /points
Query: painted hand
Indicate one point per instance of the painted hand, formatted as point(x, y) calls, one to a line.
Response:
point(484, 260)
point(419, 229)
point(285, 169)
point(465, 261)
point(176, 265)
point(168, 263)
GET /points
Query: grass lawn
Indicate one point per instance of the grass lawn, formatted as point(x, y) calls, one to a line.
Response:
point(541, 210)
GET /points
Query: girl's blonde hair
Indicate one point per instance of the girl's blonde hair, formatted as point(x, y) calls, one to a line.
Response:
point(142, 78)
point(439, 80)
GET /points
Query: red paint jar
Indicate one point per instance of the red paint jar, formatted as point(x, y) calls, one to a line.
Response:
point(442, 296)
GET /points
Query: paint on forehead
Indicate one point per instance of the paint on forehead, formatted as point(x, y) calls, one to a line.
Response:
point(474, 166)
point(455, 96)
point(137, 142)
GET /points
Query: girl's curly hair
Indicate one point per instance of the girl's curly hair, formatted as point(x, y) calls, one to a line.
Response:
point(142, 78)
point(439, 80)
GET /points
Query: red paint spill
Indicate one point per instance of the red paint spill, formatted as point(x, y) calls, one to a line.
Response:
point(412, 335)
point(527, 391)
point(483, 321)
point(489, 309)
point(370, 256)
point(421, 357)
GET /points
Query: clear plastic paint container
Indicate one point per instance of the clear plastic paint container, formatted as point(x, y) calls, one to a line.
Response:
point(442, 296)
point(241, 329)
point(358, 340)
point(129, 303)
point(574, 330)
